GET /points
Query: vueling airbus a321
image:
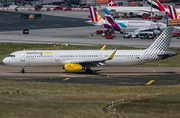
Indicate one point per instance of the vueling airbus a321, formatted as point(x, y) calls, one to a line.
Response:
point(78, 60)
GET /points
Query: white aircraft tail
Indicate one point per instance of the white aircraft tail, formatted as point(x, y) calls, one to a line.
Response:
point(157, 5)
point(111, 3)
point(163, 41)
point(159, 49)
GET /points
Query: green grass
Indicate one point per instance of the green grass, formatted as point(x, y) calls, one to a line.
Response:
point(7, 48)
point(54, 100)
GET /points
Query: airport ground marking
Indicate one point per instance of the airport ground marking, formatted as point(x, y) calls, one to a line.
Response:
point(32, 26)
point(55, 24)
point(66, 79)
point(150, 82)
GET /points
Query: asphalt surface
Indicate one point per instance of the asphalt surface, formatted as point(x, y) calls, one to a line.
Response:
point(111, 75)
point(10, 21)
point(57, 27)
point(62, 27)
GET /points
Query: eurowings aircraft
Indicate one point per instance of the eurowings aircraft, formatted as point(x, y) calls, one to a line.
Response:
point(129, 10)
point(123, 25)
point(78, 60)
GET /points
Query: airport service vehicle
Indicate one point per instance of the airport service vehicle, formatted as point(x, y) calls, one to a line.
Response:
point(109, 36)
point(145, 35)
point(58, 8)
point(25, 31)
point(38, 7)
point(99, 31)
point(78, 60)
point(30, 15)
point(175, 34)
point(129, 35)
point(123, 25)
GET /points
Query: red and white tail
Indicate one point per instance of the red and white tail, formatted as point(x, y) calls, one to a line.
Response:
point(93, 14)
point(111, 3)
point(95, 17)
point(172, 11)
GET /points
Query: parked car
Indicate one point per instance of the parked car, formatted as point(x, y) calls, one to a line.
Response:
point(58, 8)
point(67, 9)
point(48, 9)
point(25, 31)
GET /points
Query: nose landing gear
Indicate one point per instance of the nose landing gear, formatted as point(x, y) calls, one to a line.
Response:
point(22, 71)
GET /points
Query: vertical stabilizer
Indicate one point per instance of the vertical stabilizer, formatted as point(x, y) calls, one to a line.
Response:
point(111, 3)
point(163, 41)
point(108, 16)
point(172, 11)
point(95, 16)
point(157, 5)
point(159, 49)
point(111, 21)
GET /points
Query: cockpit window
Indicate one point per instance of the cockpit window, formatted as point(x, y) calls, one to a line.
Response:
point(11, 56)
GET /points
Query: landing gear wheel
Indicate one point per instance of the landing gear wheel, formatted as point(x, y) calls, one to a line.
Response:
point(89, 71)
point(22, 71)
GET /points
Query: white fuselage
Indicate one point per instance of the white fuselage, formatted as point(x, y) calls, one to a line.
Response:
point(138, 25)
point(60, 57)
point(132, 25)
point(134, 10)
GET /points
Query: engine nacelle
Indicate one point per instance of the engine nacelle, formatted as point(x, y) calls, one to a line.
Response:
point(70, 67)
point(107, 26)
point(156, 32)
point(115, 26)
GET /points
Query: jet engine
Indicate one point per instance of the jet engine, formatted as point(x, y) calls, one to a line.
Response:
point(156, 32)
point(70, 67)
point(113, 27)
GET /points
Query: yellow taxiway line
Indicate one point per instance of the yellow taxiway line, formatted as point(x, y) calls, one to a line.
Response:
point(150, 82)
point(66, 79)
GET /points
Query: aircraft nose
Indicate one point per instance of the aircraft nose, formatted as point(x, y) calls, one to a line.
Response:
point(5, 61)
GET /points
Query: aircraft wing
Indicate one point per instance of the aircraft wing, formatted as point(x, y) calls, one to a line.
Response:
point(176, 27)
point(92, 63)
point(142, 29)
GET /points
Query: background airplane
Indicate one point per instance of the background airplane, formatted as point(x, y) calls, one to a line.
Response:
point(124, 25)
point(78, 60)
point(157, 5)
point(139, 11)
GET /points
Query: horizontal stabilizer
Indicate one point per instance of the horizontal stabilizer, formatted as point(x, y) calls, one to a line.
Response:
point(168, 54)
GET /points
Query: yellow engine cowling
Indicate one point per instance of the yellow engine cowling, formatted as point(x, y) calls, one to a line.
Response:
point(70, 67)
point(32, 16)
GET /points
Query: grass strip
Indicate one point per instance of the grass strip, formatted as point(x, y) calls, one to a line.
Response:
point(56, 100)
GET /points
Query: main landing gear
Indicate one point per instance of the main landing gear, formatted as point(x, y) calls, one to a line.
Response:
point(22, 71)
point(89, 71)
